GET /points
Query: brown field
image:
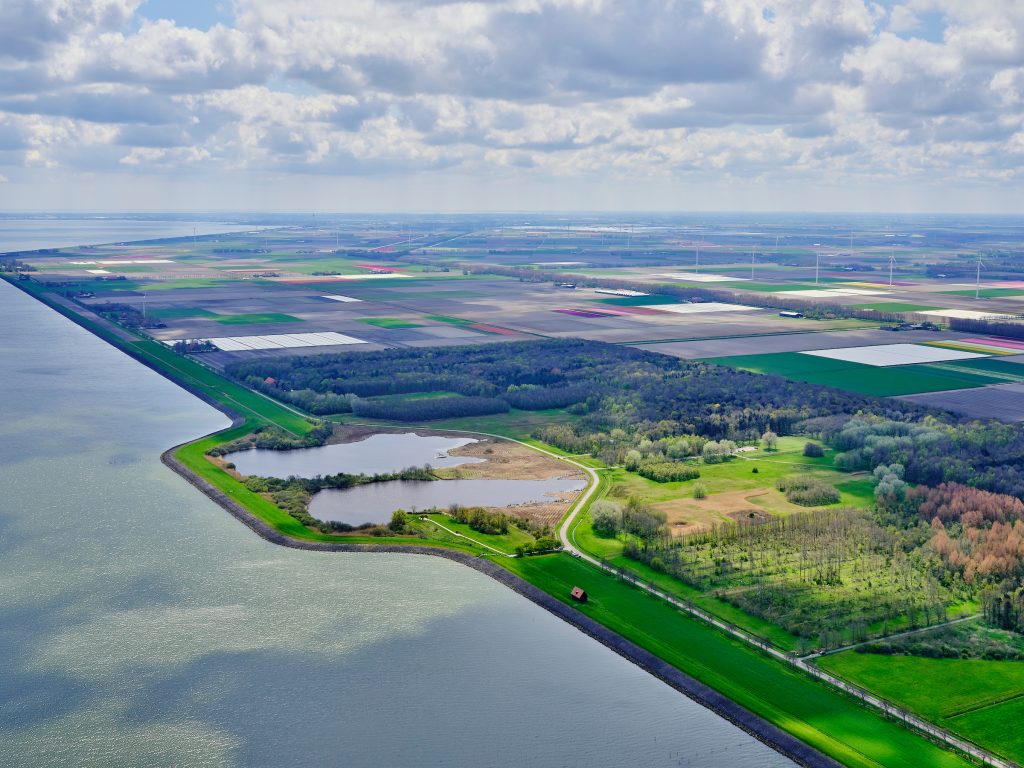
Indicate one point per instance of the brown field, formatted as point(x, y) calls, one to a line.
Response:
point(687, 516)
point(505, 460)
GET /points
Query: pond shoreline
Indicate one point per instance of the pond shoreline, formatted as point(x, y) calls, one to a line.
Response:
point(765, 732)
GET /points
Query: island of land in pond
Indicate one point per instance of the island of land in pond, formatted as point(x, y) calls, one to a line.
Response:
point(790, 488)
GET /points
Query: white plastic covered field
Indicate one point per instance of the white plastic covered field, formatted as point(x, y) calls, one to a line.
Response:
point(965, 314)
point(278, 341)
point(696, 309)
point(886, 355)
point(343, 299)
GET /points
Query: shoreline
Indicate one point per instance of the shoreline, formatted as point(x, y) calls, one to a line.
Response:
point(772, 736)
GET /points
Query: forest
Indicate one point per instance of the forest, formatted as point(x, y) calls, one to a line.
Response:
point(620, 395)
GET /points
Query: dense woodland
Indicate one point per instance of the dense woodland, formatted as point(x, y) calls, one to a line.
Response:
point(620, 395)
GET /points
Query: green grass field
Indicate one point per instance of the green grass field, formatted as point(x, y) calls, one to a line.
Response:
point(823, 718)
point(389, 322)
point(975, 698)
point(257, 319)
point(857, 377)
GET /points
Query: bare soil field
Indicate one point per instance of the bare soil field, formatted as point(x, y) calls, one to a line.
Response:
point(688, 515)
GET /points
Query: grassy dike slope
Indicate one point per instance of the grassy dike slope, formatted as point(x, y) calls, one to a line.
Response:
point(817, 715)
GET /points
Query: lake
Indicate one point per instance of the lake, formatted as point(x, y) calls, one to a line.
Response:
point(141, 625)
point(374, 502)
point(375, 454)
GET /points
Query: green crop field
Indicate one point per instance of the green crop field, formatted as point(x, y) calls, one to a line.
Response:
point(389, 322)
point(190, 282)
point(179, 313)
point(856, 377)
point(975, 698)
point(257, 319)
point(993, 365)
point(638, 301)
point(894, 306)
point(823, 718)
point(449, 320)
point(987, 293)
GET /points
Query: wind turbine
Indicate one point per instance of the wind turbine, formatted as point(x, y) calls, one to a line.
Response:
point(817, 265)
point(892, 260)
point(977, 279)
point(751, 262)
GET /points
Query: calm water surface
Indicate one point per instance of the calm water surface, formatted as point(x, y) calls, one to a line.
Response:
point(374, 502)
point(142, 626)
point(32, 234)
point(376, 454)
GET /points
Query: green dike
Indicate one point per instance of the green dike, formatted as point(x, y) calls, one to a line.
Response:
point(817, 715)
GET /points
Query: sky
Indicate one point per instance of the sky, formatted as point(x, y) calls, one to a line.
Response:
point(563, 105)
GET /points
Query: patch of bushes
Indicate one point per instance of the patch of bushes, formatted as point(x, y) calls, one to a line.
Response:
point(808, 491)
point(667, 471)
point(813, 451)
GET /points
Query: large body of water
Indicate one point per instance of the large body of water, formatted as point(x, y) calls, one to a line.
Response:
point(141, 625)
point(32, 234)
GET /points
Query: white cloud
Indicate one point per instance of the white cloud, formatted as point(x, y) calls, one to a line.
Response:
point(791, 93)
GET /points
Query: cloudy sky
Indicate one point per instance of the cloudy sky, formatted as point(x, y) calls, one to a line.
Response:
point(341, 105)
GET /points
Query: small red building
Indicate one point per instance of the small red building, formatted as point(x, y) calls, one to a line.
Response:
point(578, 595)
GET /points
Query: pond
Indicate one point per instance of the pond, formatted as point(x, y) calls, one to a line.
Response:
point(377, 454)
point(374, 502)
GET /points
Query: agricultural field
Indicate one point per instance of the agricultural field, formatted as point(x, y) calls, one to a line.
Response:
point(975, 698)
point(860, 377)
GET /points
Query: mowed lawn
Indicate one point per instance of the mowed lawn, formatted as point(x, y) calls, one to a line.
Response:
point(857, 377)
point(827, 720)
point(981, 700)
